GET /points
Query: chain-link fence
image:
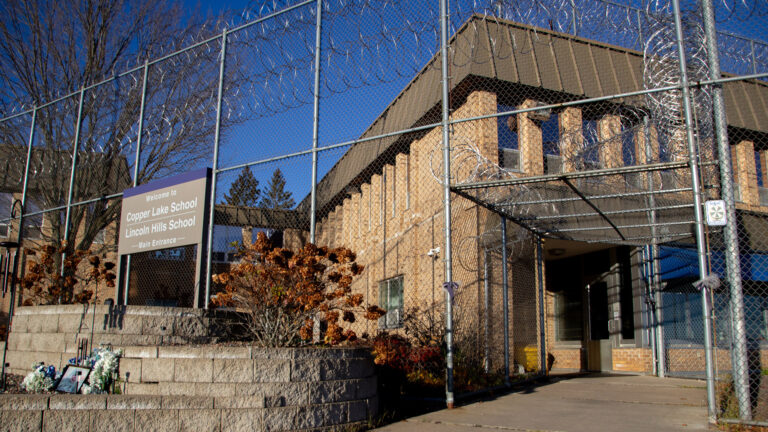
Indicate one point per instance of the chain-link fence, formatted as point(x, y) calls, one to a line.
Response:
point(567, 230)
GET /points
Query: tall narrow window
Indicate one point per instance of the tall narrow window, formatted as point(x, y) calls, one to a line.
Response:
point(509, 153)
point(5, 213)
point(33, 223)
point(568, 314)
point(391, 300)
point(550, 134)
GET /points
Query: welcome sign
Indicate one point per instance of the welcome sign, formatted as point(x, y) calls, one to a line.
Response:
point(165, 213)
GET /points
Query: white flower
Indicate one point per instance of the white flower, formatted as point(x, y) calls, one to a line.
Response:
point(105, 366)
point(36, 381)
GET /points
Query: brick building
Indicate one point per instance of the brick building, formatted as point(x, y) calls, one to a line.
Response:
point(383, 200)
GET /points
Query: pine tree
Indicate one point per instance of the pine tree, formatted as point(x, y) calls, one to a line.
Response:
point(244, 191)
point(276, 197)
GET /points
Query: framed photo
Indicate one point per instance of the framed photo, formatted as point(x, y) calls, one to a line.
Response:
point(72, 378)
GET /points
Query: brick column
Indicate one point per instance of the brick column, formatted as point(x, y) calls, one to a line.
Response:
point(401, 183)
point(529, 141)
point(365, 211)
point(376, 216)
point(571, 137)
point(486, 131)
point(355, 226)
point(346, 222)
point(609, 135)
point(333, 228)
point(745, 171)
point(390, 195)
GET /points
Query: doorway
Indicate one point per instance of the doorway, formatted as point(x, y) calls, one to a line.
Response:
point(593, 305)
point(598, 341)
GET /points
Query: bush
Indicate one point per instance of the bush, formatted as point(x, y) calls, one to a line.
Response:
point(75, 280)
point(282, 292)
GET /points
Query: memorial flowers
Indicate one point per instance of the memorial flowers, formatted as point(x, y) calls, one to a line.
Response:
point(104, 365)
point(41, 379)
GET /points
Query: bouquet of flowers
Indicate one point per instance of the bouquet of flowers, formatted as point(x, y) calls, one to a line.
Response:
point(104, 364)
point(42, 378)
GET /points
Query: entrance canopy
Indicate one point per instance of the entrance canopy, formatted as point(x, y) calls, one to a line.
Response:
point(629, 205)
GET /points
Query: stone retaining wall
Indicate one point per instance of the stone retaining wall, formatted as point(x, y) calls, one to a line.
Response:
point(214, 388)
point(186, 387)
point(115, 413)
point(51, 333)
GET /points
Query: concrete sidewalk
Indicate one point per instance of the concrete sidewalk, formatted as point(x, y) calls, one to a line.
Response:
point(594, 402)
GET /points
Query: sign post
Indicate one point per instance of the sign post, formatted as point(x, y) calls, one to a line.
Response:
point(167, 213)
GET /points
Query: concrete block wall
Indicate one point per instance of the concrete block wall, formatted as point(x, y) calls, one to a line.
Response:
point(51, 333)
point(179, 388)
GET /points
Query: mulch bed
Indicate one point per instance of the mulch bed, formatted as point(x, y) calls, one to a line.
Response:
point(13, 384)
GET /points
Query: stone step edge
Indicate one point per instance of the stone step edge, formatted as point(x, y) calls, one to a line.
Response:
point(141, 402)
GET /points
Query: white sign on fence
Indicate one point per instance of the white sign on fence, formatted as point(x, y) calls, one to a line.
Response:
point(716, 214)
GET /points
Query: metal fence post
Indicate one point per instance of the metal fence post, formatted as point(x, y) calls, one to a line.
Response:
point(696, 186)
point(216, 138)
point(658, 330)
point(75, 146)
point(447, 201)
point(542, 317)
point(505, 296)
point(24, 189)
point(731, 234)
point(487, 307)
point(136, 163)
point(315, 122)
point(650, 307)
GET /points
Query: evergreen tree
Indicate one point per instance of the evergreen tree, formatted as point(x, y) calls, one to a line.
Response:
point(244, 191)
point(276, 197)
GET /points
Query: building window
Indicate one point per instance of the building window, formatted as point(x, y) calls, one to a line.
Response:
point(33, 220)
point(509, 154)
point(590, 156)
point(172, 254)
point(5, 213)
point(568, 315)
point(100, 237)
point(550, 135)
point(391, 300)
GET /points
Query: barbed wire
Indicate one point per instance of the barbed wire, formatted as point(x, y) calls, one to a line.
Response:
point(373, 42)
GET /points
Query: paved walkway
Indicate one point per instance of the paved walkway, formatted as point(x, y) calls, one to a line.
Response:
point(592, 402)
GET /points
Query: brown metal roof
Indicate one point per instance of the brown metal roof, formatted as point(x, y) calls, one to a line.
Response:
point(523, 55)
